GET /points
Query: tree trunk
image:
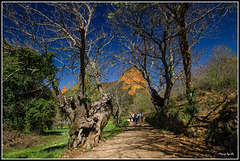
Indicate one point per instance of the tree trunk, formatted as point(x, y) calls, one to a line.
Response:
point(185, 52)
point(167, 93)
point(82, 94)
point(187, 65)
point(87, 120)
point(157, 101)
point(96, 76)
point(86, 131)
point(170, 76)
point(167, 67)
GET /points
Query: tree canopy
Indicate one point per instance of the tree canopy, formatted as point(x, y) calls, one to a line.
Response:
point(27, 77)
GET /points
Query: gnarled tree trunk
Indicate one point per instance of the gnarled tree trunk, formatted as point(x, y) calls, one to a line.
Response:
point(86, 129)
point(87, 120)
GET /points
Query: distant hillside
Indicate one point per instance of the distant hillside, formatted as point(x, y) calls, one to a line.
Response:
point(108, 84)
point(130, 78)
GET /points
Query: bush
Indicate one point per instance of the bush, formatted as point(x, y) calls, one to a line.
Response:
point(40, 114)
point(173, 101)
point(166, 119)
point(191, 109)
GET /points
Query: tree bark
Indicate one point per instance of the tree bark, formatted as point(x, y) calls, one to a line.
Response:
point(86, 131)
point(82, 93)
point(157, 101)
point(87, 120)
point(96, 76)
point(167, 67)
point(185, 51)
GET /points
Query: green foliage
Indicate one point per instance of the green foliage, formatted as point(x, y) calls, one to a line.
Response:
point(141, 102)
point(111, 15)
point(191, 109)
point(173, 112)
point(173, 101)
point(167, 118)
point(121, 6)
point(14, 116)
point(53, 144)
point(191, 96)
point(40, 113)
point(172, 118)
point(26, 75)
point(124, 8)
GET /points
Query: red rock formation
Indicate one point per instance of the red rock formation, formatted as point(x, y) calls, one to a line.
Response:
point(64, 89)
point(132, 78)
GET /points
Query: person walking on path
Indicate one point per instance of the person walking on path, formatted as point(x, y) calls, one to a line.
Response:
point(134, 117)
point(130, 117)
point(141, 117)
point(137, 118)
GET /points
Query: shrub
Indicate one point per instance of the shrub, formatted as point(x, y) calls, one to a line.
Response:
point(166, 119)
point(40, 113)
point(191, 108)
point(173, 101)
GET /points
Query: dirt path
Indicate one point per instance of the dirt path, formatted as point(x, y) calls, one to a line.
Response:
point(144, 141)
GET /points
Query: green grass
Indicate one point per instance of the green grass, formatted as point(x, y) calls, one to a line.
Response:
point(112, 130)
point(54, 142)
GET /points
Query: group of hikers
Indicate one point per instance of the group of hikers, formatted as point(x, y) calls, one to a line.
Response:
point(135, 117)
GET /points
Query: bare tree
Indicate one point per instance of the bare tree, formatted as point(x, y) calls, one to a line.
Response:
point(66, 29)
point(120, 99)
point(192, 21)
point(149, 46)
point(220, 71)
point(163, 22)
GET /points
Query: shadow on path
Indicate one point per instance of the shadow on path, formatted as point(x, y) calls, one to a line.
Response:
point(144, 141)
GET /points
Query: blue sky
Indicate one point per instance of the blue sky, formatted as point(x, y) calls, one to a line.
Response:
point(227, 34)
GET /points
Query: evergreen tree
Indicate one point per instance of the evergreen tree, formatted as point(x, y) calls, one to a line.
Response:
point(27, 77)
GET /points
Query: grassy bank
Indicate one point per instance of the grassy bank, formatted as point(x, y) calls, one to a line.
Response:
point(54, 142)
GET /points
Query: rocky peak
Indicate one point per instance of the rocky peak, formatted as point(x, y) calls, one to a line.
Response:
point(132, 78)
point(64, 89)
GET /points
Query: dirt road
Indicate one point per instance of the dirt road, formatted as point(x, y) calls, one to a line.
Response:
point(144, 141)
